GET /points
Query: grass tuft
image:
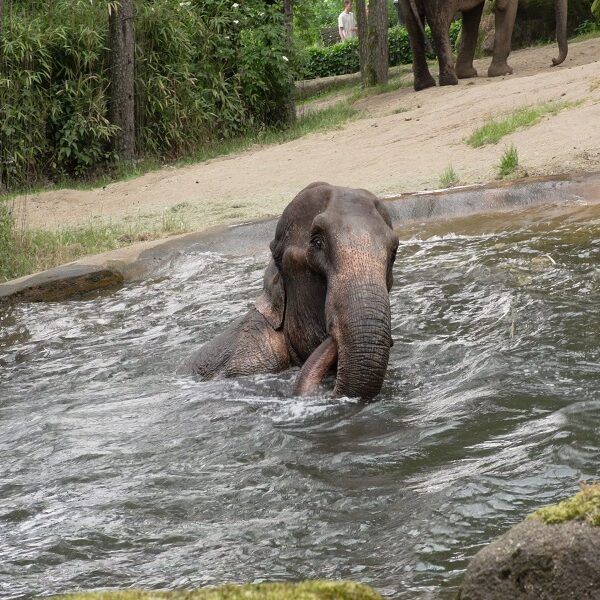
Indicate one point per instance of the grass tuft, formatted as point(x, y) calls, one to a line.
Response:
point(584, 506)
point(495, 129)
point(509, 162)
point(449, 178)
point(24, 251)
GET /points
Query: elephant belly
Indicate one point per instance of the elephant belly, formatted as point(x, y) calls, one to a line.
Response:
point(465, 5)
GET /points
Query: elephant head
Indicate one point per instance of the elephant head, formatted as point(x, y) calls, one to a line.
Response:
point(327, 287)
point(325, 302)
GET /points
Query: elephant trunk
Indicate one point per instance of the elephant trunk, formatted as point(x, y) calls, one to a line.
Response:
point(362, 332)
point(561, 31)
point(359, 340)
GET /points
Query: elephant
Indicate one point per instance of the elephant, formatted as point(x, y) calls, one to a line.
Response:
point(325, 301)
point(439, 14)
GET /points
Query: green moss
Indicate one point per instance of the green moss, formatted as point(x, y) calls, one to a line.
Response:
point(309, 590)
point(584, 506)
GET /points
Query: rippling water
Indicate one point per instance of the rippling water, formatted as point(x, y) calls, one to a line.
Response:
point(114, 471)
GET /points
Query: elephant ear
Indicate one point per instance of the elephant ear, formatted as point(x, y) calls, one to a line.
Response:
point(383, 211)
point(271, 303)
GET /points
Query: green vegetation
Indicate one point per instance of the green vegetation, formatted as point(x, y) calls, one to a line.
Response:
point(331, 117)
point(509, 162)
point(205, 71)
point(328, 118)
point(584, 506)
point(310, 590)
point(449, 178)
point(365, 92)
point(314, 18)
point(24, 251)
point(311, 122)
point(353, 89)
point(495, 129)
point(342, 58)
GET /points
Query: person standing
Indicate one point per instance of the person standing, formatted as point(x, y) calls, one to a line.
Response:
point(347, 22)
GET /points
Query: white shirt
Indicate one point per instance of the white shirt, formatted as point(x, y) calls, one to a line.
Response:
point(347, 22)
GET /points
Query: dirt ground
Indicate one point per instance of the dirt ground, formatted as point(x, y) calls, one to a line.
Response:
point(403, 143)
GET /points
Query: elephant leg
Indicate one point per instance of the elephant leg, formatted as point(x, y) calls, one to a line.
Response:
point(247, 347)
point(440, 30)
point(468, 42)
point(506, 13)
point(422, 76)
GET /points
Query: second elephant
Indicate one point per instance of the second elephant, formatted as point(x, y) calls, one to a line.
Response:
point(439, 14)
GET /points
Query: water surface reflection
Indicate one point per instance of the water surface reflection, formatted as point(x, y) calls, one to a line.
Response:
point(117, 472)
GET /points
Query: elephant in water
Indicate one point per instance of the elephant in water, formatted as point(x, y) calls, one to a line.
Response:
point(439, 14)
point(325, 302)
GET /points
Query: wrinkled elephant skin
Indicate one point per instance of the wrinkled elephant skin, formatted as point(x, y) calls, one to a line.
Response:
point(325, 302)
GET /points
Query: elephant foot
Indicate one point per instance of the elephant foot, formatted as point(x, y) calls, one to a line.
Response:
point(498, 70)
point(424, 82)
point(466, 72)
point(448, 79)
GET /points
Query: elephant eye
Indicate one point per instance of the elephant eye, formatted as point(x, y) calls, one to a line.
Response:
point(316, 241)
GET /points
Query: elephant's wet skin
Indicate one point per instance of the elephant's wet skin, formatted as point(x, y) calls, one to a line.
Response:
point(325, 301)
point(439, 14)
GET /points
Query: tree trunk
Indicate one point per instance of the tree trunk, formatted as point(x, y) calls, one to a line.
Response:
point(361, 24)
point(288, 14)
point(122, 47)
point(1, 71)
point(376, 72)
point(288, 116)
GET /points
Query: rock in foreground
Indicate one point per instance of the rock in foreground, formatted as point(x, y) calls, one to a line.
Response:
point(309, 590)
point(554, 554)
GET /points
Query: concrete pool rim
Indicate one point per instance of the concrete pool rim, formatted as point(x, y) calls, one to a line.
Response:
point(112, 269)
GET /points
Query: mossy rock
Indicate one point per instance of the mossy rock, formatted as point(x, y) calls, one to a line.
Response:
point(584, 506)
point(308, 590)
point(555, 553)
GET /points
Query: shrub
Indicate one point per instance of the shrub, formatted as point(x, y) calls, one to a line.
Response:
point(343, 58)
point(205, 70)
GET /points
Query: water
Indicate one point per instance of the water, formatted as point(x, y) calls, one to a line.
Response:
point(116, 472)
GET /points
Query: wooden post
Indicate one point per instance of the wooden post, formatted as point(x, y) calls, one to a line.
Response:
point(122, 46)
